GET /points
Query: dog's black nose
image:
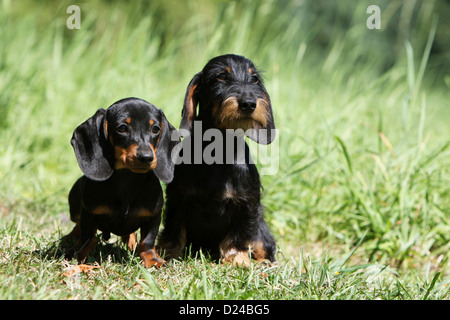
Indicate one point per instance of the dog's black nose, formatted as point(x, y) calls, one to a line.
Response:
point(145, 157)
point(247, 105)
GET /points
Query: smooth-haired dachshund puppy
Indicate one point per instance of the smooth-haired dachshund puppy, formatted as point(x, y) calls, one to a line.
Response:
point(122, 152)
point(217, 206)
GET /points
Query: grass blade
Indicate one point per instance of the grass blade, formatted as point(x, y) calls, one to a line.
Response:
point(347, 157)
point(431, 286)
point(347, 258)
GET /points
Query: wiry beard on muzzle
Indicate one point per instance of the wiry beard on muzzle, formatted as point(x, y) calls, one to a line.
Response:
point(228, 115)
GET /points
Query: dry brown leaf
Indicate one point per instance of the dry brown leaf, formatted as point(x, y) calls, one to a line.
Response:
point(80, 268)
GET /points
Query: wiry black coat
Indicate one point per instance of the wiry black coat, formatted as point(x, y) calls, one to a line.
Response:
point(217, 206)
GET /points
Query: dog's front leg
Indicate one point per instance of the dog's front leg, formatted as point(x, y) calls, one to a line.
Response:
point(146, 247)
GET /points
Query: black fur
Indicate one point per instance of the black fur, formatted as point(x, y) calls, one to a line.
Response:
point(217, 207)
point(122, 152)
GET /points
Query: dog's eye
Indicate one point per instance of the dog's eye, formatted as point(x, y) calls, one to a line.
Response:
point(222, 76)
point(122, 128)
point(254, 79)
point(156, 129)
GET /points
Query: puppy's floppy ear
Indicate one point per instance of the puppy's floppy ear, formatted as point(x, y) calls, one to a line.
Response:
point(169, 138)
point(91, 147)
point(189, 112)
point(264, 134)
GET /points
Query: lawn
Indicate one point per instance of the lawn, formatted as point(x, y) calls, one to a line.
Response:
point(360, 201)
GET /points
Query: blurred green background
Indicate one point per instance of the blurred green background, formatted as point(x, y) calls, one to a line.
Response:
point(363, 114)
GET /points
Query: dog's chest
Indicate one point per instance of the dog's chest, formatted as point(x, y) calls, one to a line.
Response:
point(120, 208)
point(217, 187)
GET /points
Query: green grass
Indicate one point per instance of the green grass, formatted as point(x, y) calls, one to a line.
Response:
point(360, 206)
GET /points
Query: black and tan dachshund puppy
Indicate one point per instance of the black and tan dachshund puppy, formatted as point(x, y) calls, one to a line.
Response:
point(122, 152)
point(217, 206)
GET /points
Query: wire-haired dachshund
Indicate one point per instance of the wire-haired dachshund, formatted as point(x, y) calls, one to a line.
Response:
point(122, 152)
point(216, 206)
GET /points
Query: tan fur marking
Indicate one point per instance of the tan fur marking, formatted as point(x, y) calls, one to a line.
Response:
point(230, 194)
point(230, 254)
point(155, 160)
point(101, 210)
point(236, 257)
point(131, 241)
point(142, 212)
point(125, 157)
point(106, 127)
point(258, 251)
point(190, 106)
point(261, 112)
point(255, 251)
point(149, 256)
point(228, 115)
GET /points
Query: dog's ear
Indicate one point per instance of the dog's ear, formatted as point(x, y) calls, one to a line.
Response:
point(191, 98)
point(91, 147)
point(264, 133)
point(169, 138)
